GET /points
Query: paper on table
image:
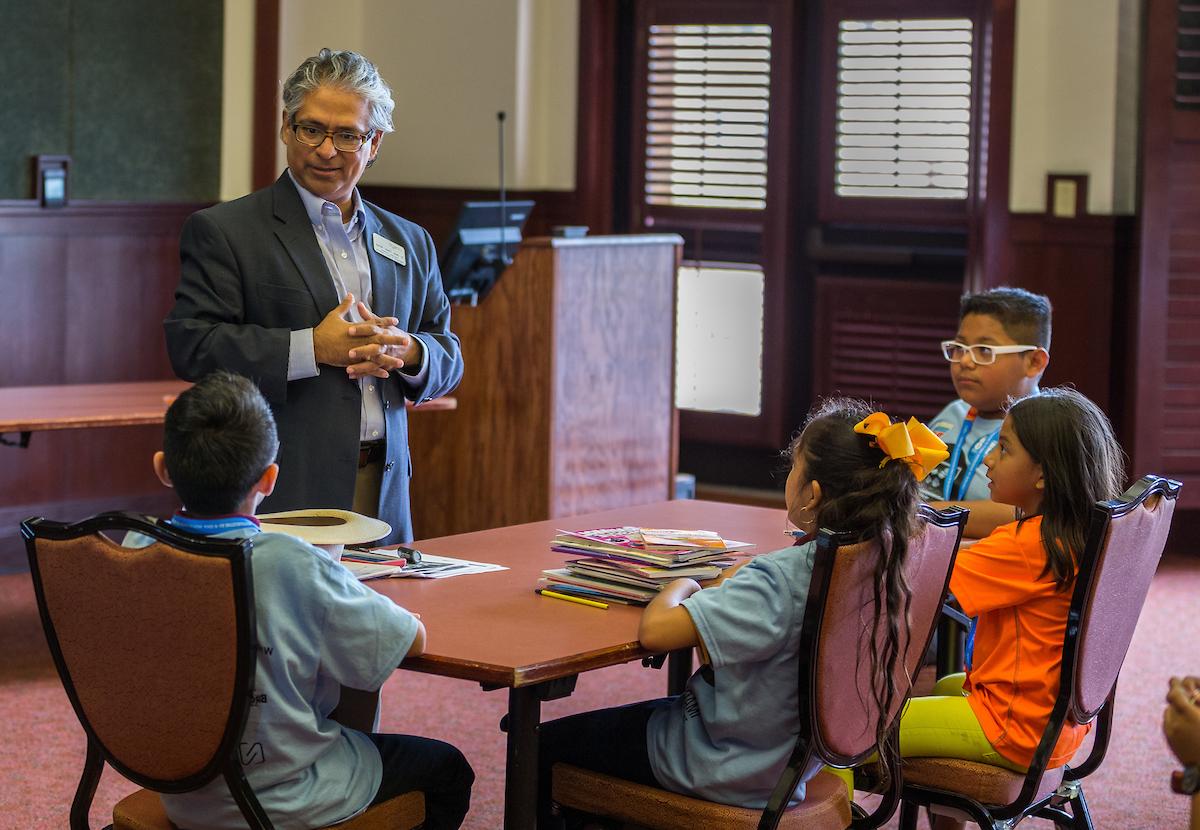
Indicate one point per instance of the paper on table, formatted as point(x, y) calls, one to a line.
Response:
point(431, 566)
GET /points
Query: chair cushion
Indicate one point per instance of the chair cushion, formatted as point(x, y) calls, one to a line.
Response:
point(825, 804)
point(983, 782)
point(144, 811)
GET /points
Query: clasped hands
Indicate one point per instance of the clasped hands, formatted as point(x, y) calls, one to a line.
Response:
point(375, 347)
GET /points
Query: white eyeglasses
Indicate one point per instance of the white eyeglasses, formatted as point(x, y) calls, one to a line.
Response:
point(954, 351)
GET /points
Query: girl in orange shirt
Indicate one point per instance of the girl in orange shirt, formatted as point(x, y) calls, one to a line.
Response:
point(1056, 457)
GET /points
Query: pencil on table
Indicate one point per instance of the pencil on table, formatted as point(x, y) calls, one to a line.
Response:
point(580, 600)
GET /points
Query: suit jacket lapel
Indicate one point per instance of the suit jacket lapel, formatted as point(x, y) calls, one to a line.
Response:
point(295, 232)
point(384, 273)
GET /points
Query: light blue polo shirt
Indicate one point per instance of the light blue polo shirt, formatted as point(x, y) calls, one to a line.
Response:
point(317, 628)
point(948, 425)
point(729, 740)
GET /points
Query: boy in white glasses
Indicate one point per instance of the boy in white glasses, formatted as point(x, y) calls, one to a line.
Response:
point(998, 355)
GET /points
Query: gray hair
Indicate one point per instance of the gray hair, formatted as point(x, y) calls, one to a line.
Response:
point(344, 70)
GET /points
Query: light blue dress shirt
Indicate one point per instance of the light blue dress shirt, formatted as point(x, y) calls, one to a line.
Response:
point(344, 247)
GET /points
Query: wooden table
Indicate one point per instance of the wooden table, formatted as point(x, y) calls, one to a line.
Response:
point(493, 629)
point(28, 409)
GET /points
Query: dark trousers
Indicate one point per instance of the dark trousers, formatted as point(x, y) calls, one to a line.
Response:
point(435, 768)
point(609, 741)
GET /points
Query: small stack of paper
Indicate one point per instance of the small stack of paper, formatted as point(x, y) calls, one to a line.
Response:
point(631, 564)
point(379, 563)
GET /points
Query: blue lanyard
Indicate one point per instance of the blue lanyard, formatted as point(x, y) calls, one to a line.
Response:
point(213, 526)
point(973, 458)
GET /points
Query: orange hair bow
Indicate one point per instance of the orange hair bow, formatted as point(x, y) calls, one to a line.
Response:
point(913, 443)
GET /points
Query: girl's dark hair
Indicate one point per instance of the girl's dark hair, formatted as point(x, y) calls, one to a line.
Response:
point(871, 502)
point(1082, 463)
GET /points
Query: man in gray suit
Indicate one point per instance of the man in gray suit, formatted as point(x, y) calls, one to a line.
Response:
point(333, 306)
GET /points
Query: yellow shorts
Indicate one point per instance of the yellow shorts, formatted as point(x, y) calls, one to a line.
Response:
point(942, 725)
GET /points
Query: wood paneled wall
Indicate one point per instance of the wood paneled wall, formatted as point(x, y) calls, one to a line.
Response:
point(85, 291)
point(877, 339)
point(1084, 266)
point(1162, 350)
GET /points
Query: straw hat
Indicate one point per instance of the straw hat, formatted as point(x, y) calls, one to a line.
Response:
point(326, 527)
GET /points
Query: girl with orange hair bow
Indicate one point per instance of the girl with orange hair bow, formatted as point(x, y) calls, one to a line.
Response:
point(851, 470)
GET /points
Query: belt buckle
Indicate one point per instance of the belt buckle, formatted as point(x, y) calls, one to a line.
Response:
point(368, 453)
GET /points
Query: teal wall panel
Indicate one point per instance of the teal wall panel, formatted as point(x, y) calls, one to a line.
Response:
point(130, 89)
point(34, 99)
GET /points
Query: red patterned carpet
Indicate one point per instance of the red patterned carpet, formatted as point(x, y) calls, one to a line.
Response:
point(43, 751)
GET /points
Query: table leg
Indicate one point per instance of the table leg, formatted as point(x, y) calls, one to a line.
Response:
point(521, 773)
point(679, 669)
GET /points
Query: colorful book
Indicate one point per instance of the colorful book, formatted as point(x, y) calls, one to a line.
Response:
point(640, 574)
point(664, 548)
point(631, 564)
point(558, 578)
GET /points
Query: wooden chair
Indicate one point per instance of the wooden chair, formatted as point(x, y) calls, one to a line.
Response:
point(837, 713)
point(155, 648)
point(1126, 538)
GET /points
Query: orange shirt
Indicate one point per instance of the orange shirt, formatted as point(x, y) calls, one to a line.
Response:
point(1015, 668)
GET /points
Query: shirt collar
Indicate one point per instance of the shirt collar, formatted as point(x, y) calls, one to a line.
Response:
point(234, 524)
point(314, 205)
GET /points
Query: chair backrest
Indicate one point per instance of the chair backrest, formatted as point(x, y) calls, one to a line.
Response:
point(837, 708)
point(1126, 539)
point(842, 705)
point(154, 645)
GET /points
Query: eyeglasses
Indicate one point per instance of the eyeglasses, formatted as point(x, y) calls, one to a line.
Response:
point(344, 141)
point(954, 351)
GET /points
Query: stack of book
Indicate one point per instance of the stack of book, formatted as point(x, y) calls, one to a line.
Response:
point(631, 564)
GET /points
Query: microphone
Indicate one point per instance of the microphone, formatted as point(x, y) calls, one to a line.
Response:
point(504, 257)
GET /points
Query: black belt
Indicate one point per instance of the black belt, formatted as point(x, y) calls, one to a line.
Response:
point(371, 451)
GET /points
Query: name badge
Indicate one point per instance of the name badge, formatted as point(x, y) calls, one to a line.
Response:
point(389, 249)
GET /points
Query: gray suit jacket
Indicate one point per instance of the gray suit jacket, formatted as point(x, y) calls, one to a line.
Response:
point(252, 272)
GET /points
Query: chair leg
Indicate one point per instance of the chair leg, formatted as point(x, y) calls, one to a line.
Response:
point(93, 766)
point(908, 815)
point(1081, 816)
point(937, 822)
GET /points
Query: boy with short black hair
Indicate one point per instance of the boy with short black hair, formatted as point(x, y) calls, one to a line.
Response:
point(318, 628)
point(998, 356)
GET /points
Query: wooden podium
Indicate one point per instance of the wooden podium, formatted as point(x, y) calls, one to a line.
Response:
point(567, 404)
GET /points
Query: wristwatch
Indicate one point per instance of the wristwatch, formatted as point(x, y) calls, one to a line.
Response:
point(1188, 781)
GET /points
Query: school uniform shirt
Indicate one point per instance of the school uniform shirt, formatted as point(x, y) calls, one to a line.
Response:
point(947, 426)
point(317, 628)
point(1014, 677)
point(728, 740)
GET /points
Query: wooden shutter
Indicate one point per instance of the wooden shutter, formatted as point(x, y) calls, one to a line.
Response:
point(707, 102)
point(1187, 57)
point(903, 108)
point(1162, 430)
point(879, 340)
